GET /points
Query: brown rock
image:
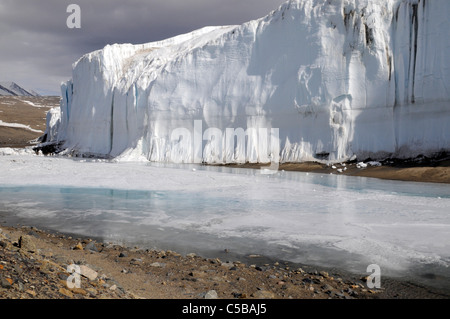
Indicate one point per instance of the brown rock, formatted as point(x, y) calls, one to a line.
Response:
point(26, 243)
point(31, 292)
point(66, 292)
point(79, 291)
point(88, 272)
point(93, 292)
point(5, 282)
point(263, 294)
point(78, 246)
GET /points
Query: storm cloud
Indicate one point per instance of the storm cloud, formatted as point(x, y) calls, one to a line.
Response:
point(37, 49)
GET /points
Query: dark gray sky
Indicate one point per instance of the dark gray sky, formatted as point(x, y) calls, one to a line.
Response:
point(37, 48)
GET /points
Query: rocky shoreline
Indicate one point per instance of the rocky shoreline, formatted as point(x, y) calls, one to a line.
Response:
point(421, 169)
point(37, 264)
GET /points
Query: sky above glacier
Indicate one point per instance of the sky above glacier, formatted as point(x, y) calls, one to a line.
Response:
point(38, 49)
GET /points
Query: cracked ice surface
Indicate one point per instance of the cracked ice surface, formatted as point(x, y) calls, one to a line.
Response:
point(334, 220)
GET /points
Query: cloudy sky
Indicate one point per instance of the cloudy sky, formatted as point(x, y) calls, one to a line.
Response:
point(37, 48)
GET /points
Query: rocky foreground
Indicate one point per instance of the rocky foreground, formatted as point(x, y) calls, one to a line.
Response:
point(40, 265)
point(35, 264)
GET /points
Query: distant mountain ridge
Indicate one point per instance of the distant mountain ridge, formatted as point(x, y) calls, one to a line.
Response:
point(13, 89)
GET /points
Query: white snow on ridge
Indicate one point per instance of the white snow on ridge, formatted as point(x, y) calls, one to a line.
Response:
point(34, 104)
point(338, 79)
point(18, 125)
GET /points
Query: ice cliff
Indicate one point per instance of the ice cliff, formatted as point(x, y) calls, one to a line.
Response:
point(334, 79)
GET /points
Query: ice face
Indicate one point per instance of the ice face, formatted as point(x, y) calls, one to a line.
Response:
point(337, 78)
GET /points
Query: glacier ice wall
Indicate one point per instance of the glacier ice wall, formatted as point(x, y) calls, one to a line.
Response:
point(333, 79)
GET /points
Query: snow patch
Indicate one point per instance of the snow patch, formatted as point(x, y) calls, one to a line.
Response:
point(8, 151)
point(18, 125)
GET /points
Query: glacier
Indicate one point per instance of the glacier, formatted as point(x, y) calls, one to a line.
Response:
point(335, 79)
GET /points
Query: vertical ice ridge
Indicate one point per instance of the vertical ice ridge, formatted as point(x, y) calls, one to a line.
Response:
point(413, 48)
point(111, 137)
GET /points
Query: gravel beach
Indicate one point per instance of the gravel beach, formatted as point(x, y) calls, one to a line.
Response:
point(36, 264)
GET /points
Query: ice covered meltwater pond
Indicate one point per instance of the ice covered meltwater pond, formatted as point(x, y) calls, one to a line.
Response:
point(328, 220)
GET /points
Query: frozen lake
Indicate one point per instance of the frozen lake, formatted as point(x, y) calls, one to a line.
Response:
point(327, 220)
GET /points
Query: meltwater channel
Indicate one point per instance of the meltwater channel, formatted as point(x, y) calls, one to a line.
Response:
point(317, 219)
